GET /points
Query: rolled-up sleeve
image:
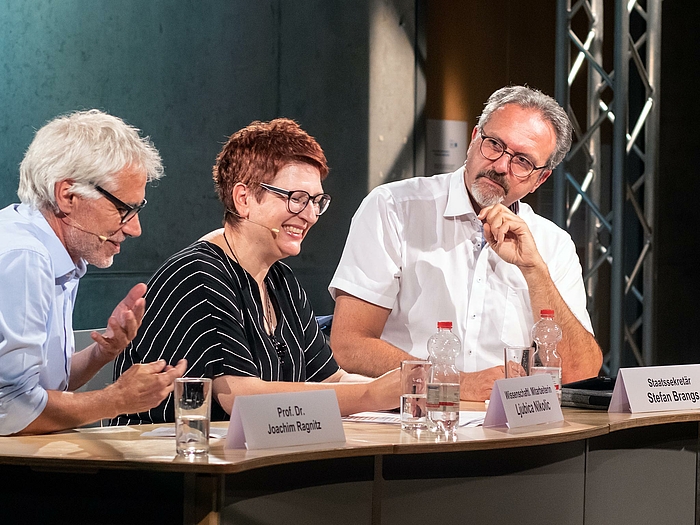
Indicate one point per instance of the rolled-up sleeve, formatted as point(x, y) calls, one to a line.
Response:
point(26, 287)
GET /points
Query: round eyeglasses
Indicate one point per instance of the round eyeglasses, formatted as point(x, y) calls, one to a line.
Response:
point(126, 211)
point(297, 200)
point(520, 166)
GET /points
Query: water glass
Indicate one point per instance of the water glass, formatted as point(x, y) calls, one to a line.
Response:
point(414, 382)
point(516, 360)
point(192, 415)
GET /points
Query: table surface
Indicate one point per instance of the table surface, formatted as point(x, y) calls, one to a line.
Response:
point(126, 448)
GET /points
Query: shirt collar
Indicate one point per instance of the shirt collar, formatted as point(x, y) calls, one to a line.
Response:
point(64, 267)
point(458, 201)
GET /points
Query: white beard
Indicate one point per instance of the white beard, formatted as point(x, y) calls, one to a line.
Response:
point(486, 194)
point(88, 247)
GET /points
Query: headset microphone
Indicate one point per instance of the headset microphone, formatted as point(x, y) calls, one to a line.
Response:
point(274, 231)
point(77, 226)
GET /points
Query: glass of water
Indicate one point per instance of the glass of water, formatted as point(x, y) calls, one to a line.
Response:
point(192, 415)
point(414, 382)
point(516, 361)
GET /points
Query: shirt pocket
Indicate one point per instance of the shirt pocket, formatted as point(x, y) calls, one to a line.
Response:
point(516, 318)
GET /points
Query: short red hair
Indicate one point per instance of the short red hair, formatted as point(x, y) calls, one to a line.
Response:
point(257, 152)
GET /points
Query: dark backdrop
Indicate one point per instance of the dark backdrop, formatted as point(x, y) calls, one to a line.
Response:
point(678, 229)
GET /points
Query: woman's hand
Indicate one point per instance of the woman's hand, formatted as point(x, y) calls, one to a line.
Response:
point(385, 391)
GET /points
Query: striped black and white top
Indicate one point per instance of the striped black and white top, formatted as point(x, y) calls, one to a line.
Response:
point(203, 307)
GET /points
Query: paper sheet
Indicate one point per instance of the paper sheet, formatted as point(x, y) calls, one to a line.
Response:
point(467, 418)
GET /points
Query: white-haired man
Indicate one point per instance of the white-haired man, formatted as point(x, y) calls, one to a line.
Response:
point(461, 247)
point(82, 184)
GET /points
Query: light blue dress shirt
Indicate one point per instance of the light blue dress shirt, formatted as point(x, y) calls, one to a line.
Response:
point(38, 286)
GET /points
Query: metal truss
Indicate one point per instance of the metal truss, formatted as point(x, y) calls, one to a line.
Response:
point(604, 192)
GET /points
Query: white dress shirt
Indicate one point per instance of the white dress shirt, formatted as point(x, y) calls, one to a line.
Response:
point(38, 285)
point(417, 248)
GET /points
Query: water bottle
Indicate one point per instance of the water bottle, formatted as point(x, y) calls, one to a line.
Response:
point(545, 360)
point(443, 386)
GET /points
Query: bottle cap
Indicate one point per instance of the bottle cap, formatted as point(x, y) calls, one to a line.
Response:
point(546, 313)
point(445, 324)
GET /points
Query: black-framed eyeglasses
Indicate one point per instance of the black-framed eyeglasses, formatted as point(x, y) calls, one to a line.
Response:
point(493, 149)
point(297, 200)
point(126, 211)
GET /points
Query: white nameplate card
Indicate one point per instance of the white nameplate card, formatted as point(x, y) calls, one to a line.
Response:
point(656, 388)
point(523, 401)
point(283, 420)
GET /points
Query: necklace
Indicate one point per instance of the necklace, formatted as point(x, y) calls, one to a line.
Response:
point(267, 308)
point(279, 346)
point(230, 249)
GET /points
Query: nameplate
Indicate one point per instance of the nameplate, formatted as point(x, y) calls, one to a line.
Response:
point(656, 389)
point(283, 420)
point(523, 401)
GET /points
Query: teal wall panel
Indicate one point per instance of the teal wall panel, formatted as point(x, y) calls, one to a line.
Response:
point(324, 84)
point(190, 73)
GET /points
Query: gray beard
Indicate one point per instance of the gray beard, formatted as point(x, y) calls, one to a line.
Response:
point(485, 194)
point(88, 248)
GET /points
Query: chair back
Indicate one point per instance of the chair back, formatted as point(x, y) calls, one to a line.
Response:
point(102, 378)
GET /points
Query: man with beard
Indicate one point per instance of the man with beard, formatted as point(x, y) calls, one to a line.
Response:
point(82, 184)
point(461, 247)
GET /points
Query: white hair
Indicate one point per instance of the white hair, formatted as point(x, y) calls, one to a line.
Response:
point(88, 147)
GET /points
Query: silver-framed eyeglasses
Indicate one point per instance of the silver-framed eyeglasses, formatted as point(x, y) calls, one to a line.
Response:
point(126, 211)
point(520, 166)
point(297, 200)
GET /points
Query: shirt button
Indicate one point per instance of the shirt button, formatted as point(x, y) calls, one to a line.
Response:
point(473, 316)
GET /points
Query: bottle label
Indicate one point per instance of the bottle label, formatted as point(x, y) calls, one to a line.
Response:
point(554, 371)
point(443, 397)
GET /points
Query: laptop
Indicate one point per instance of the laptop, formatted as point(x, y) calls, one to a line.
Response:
point(594, 393)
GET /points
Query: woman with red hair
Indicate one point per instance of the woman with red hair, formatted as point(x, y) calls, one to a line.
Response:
point(228, 305)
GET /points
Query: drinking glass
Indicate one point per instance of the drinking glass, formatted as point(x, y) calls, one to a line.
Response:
point(516, 360)
point(414, 382)
point(192, 415)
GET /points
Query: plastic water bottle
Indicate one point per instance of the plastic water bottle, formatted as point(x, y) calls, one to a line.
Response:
point(443, 386)
point(545, 360)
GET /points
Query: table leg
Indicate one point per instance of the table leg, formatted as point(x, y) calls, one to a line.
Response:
point(204, 496)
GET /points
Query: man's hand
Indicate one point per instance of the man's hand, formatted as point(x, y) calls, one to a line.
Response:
point(140, 388)
point(477, 386)
point(123, 324)
point(510, 237)
point(144, 386)
point(515, 369)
